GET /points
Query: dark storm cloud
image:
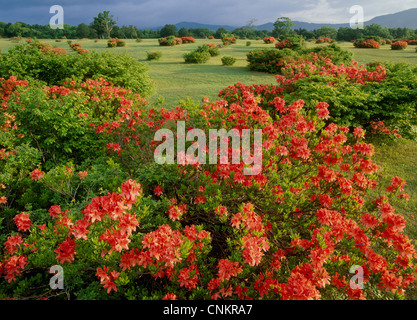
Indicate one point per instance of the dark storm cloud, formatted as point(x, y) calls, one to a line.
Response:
point(151, 13)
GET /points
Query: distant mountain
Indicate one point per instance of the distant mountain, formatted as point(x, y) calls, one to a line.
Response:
point(196, 25)
point(402, 19)
point(303, 25)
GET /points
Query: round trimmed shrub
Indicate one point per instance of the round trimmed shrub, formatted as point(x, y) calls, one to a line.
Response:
point(211, 48)
point(399, 45)
point(153, 55)
point(197, 57)
point(228, 60)
point(367, 43)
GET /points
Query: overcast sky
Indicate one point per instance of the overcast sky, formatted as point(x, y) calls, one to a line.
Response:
point(153, 13)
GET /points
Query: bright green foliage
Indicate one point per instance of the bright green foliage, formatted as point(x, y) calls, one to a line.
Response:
point(29, 62)
point(197, 57)
point(228, 60)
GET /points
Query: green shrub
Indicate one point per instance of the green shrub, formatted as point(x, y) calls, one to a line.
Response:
point(115, 42)
point(267, 60)
point(228, 60)
point(291, 41)
point(153, 55)
point(272, 60)
point(168, 41)
point(197, 57)
point(356, 95)
point(211, 48)
point(29, 62)
point(333, 52)
point(228, 39)
point(210, 231)
point(248, 43)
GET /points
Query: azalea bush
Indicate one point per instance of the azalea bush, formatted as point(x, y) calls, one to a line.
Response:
point(324, 40)
point(228, 39)
point(35, 61)
point(291, 41)
point(194, 230)
point(197, 56)
point(367, 43)
point(356, 94)
point(283, 44)
point(116, 42)
point(153, 55)
point(269, 40)
point(187, 39)
point(399, 45)
point(228, 60)
point(211, 48)
point(272, 60)
point(269, 60)
point(169, 41)
point(77, 48)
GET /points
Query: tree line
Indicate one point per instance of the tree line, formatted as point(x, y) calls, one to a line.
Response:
point(104, 26)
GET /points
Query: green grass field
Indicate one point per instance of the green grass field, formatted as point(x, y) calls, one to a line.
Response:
point(176, 81)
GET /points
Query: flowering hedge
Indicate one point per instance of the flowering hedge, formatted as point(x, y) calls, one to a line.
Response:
point(272, 60)
point(208, 231)
point(410, 42)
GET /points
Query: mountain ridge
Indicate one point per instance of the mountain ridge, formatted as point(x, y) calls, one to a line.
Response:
point(401, 19)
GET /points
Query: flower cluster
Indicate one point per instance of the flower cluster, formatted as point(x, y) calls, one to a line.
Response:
point(228, 40)
point(171, 41)
point(324, 40)
point(399, 45)
point(269, 40)
point(354, 73)
point(77, 48)
point(115, 42)
point(368, 43)
point(195, 230)
point(187, 39)
point(283, 44)
point(46, 47)
point(410, 42)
